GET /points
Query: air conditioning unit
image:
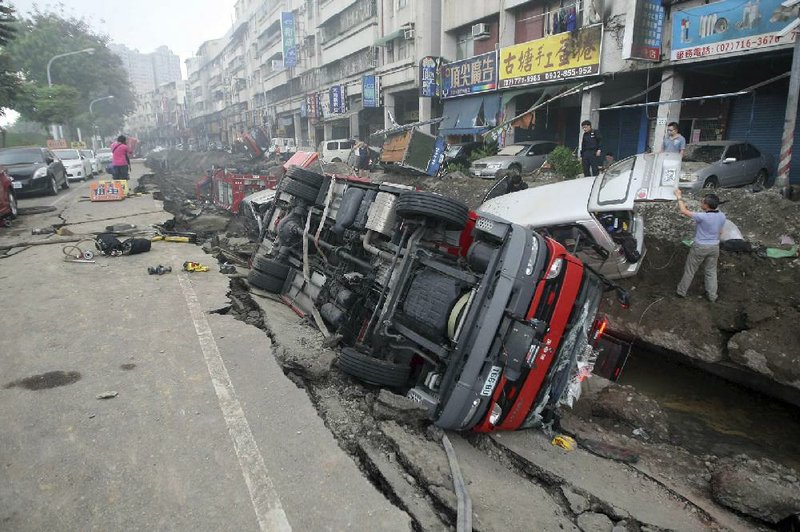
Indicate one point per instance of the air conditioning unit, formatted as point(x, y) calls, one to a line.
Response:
point(408, 34)
point(480, 31)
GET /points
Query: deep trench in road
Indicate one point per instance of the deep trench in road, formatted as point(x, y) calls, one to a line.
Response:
point(707, 415)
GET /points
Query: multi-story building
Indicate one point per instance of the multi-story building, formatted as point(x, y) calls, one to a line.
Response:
point(161, 116)
point(148, 71)
point(323, 69)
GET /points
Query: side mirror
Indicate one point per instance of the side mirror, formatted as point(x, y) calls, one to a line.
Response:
point(49, 160)
point(729, 160)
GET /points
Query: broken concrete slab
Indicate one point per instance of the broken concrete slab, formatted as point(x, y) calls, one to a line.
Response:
point(501, 499)
point(637, 411)
point(759, 488)
point(615, 485)
point(594, 522)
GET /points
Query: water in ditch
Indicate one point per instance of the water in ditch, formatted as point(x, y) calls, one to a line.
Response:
point(710, 415)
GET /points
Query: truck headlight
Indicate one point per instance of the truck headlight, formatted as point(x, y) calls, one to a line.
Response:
point(555, 268)
point(688, 177)
point(40, 172)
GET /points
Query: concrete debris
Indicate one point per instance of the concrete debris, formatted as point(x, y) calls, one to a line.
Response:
point(399, 408)
point(594, 522)
point(759, 488)
point(624, 404)
point(578, 503)
point(107, 395)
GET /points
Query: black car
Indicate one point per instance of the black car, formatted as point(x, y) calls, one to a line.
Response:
point(458, 154)
point(36, 169)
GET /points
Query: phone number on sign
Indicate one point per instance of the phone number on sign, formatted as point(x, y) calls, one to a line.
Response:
point(750, 43)
point(551, 76)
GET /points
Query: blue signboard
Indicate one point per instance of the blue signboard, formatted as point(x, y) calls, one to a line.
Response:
point(729, 27)
point(437, 158)
point(289, 38)
point(647, 21)
point(370, 91)
point(470, 76)
point(337, 100)
point(429, 77)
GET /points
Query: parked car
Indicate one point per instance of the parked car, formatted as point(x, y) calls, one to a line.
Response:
point(724, 163)
point(336, 150)
point(595, 218)
point(523, 157)
point(93, 162)
point(483, 321)
point(34, 170)
point(104, 157)
point(458, 154)
point(8, 200)
point(78, 166)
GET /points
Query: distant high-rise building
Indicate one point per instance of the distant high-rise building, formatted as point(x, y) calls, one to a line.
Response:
point(148, 71)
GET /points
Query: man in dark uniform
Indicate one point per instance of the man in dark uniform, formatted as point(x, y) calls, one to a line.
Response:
point(590, 149)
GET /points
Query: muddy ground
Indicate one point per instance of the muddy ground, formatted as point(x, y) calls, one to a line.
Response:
point(749, 334)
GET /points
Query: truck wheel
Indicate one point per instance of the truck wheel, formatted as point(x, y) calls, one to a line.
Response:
point(265, 281)
point(270, 267)
point(434, 207)
point(373, 370)
point(304, 176)
point(300, 190)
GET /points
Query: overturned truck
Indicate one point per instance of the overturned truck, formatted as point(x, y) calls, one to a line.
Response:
point(488, 324)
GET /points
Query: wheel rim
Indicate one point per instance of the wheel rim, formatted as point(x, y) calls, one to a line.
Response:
point(760, 181)
point(711, 184)
point(53, 185)
point(12, 199)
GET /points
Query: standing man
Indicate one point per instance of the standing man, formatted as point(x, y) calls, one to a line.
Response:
point(705, 248)
point(590, 149)
point(674, 141)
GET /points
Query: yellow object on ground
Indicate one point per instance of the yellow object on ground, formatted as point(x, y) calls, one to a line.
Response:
point(565, 442)
point(115, 190)
point(190, 266)
point(184, 239)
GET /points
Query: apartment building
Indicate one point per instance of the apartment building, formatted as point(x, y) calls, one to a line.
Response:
point(148, 71)
point(161, 117)
point(323, 69)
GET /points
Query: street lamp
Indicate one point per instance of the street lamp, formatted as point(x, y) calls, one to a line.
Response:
point(50, 80)
point(94, 127)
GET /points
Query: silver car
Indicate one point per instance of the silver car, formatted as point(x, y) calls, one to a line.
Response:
point(524, 157)
point(724, 163)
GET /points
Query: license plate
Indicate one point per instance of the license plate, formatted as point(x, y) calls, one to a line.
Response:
point(491, 381)
point(16, 184)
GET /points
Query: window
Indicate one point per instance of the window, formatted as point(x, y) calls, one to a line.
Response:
point(465, 45)
point(750, 152)
point(734, 151)
point(544, 148)
point(401, 4)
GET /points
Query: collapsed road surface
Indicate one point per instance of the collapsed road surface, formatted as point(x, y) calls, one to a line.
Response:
point(192, 360)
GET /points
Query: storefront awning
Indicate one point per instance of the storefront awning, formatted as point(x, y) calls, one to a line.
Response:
point(461, 114)
point(383, 41)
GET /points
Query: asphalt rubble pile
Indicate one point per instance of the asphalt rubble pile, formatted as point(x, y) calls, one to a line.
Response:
point(621, 434)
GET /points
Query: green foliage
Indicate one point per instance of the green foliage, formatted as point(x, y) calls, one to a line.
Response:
point(9, 81)
point(42, 34)
point(456, 167)
point(48, 105)
point(564, 163)
point(25, 139)
point(487, 150)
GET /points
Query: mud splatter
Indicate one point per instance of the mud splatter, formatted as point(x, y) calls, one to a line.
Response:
point(51, 379)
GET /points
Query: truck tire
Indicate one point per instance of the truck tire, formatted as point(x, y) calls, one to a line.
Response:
point(307, 177)
point(265, 281)
point(270, 267)
point(300, 190)
point(373, 370)
point(452, 213)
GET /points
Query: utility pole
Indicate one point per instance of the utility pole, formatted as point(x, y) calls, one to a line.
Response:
point(789, 122)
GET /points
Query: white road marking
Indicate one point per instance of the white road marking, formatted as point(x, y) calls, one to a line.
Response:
point(266, 502)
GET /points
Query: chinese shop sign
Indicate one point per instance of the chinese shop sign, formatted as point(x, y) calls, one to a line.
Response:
point(644, 42)
point(470, 76)
point(558, 57)
point(289, 39)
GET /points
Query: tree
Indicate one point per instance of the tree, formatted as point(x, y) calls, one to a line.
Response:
point(48, 105)
point(9, 82)
point(41, 34)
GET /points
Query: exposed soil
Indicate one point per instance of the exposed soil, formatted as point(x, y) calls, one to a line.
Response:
point(620, 432)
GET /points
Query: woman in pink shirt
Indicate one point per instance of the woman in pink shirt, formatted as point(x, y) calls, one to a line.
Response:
point(120, 157)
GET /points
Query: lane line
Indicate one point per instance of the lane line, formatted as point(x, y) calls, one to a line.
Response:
point(265, 499)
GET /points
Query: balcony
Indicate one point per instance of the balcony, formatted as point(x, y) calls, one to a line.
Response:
point(347, 19)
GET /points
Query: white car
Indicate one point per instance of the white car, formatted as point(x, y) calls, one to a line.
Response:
point(89, 154)
point(335, 150)
point(595, 217)
point(77, 166)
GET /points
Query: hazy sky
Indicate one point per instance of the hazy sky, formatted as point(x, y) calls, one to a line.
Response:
point(182, 25)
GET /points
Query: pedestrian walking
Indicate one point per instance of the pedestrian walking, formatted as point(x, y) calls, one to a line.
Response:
point(705, 248)
point(120, 158)
point(590, 149)
point(674, 142)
